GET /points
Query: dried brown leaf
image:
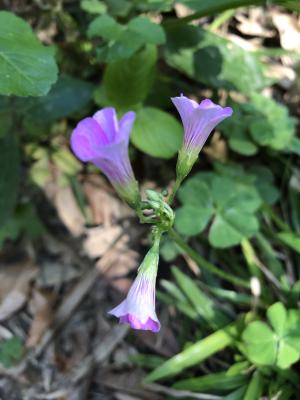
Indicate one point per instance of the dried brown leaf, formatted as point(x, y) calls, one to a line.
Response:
point(254, 24)
point(69, 211)
point(100, 239)
point(15, 287)
point(42, 308)
point(105, 206)
point(288, 26)
point(118, 261)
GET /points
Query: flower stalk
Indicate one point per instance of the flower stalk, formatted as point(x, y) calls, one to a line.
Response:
point(103, 141)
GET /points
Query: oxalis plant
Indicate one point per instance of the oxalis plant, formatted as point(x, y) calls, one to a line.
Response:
point(103, 140)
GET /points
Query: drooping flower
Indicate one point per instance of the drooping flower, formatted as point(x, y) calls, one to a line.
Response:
point(198, 122)
point(138, 309)
point(103, 141)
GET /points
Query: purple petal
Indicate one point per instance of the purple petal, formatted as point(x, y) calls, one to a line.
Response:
point(207, 103)
point(113, 160)
point(125, 125)
point(108, 121)
point(185, 107)
point(119, 310)
point(135, 323)
point(86, 138)
point(227, 112)
point(201, 124)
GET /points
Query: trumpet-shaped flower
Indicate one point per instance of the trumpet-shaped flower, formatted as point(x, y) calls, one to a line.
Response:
point(138, 309)
point(103, 141)
point(198, 122)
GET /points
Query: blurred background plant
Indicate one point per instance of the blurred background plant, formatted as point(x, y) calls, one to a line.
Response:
point(229, 280)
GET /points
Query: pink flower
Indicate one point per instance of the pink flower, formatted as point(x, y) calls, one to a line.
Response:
point(103, 141)
point(198, 121)
point(138, 309)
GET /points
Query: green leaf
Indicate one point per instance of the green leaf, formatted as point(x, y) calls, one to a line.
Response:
point(9, 176)
point(127, 44)
point(160, 139)
point(124, 40)
point(216, 383)
point(236, 130)
point(207, 7)
point(67, 96)
point(119, 8)
point(6, 117)
point(287, 355)
point(27, 68)
point(240, 144)
point(237, 394)
point(24, 220)
point(266, 130)
point(146, 360)
point(294, 146)
point(231, 200)
point(255, 387)
point(204, 306)
point(253, 125)
point(193, 217)
point(127, 82)
point(277, 316)
point(196, 192)
point(178, 299)
point(260, 342)
point(93, 6)
point(191, 220)
point(195, 354)
point(228, 229)
point(281, 347)
point(106, 27)
point(168, 249)
point(147, 30)
point(290, 239)
point(215, 61)
point(11, 351)
point(264, 182)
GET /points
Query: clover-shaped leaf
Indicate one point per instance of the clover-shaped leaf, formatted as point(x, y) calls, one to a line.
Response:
point(213, 60)
point(123, 41)
point(275, 345)
point(228, 202)
point(253, 125)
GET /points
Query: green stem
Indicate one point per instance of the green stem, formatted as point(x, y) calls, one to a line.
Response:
point(175, 189)
point(221, 19)
point(206, 264)
point(251, 258)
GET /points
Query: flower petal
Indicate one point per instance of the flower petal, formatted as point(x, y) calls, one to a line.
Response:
point(86, 138)
point(201, 123)
point(135, 323)
point(185, 107)
point(125, 125)
point(108, 121)
point(207, 103)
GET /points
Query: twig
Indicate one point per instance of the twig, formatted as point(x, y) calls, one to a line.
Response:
point(102, 351)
